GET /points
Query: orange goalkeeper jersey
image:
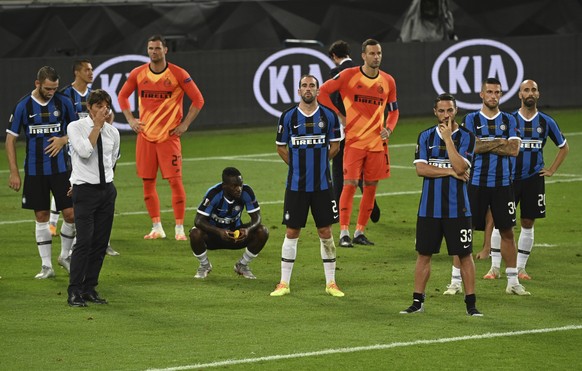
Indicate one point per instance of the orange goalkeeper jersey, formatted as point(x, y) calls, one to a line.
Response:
point(366, 100)
point(161, 97)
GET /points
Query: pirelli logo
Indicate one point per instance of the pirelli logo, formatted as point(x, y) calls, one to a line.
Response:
point(156, 94)
point(442, 163)
point(531, 144)
point(308, 140)
point(44, 129)
point(369, 100)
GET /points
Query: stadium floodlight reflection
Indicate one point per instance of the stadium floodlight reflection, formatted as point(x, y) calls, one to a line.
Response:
point(301, 42)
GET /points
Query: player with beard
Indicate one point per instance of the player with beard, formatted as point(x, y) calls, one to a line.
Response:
point(497, 141)
point(308, 137)
point(529, 174)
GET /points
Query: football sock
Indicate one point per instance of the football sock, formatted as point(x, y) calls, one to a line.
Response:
point(366, 205)
point(512, 276)
point(288, 255)
point(54, 218)
point(327, 249)
point(470, 301)
point(495, 249)
point(247, 257)
point(44, 242)
point(67, 236)
point(202, 258)
point(178, 199)
point(524, 246)
point(417, 299)
point(456, 275)
point(346, 204)
point(151, 199)
point(359, 230)
point(344, 232)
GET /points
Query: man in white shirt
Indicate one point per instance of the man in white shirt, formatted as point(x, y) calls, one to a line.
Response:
point(94, 146)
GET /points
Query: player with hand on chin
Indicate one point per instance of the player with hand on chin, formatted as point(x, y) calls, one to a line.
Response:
point(218, 224)
point(443, 158)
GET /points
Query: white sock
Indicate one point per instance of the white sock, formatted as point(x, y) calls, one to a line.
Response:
point(327, 249)
point(202, 258)
point(44, 242)
point(495, 249)
point(54, 218)
point(157, 225)
point(288, 255)
point(456, 276)
point(511, 276)
point(524, 246)
point(67, 235)
point(344, 232)
point(357, 233)
point(247, 257)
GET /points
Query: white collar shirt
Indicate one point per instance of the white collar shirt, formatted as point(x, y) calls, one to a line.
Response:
point(84, 157)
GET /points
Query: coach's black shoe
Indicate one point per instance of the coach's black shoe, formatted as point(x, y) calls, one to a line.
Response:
point(346, 241)
point(362, 240)
point(76, 300)
point(375, 216)
point(94, 297)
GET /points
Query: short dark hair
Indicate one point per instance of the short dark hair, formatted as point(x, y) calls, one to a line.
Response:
point(340, 49)
point(158, 37)
point(491, 80)
point(230, 172)
point(47, 73)
point(446, 97)
point(306, 75)
point(369, 42)
point(98, 96)
point(78, 64)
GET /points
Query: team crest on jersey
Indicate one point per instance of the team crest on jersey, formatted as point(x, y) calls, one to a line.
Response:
point(167, 82)
point(56, 113)
point(502, 127)
point(237, 208)
point(321, 124)
point(540, 130)
point(380, 89)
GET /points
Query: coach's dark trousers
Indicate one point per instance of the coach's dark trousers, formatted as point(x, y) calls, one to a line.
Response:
point(94, 206)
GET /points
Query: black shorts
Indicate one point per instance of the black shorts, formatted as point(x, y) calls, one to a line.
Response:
point(530, 195)
point(323, 208)
point(456, 231)
point(214, 242)
point(501, 202)
point(36, 193)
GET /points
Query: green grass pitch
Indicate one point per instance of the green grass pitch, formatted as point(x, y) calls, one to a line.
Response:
point(159, 317)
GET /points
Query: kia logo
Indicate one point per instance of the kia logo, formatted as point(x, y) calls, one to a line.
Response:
point(276, 80)
point(110, 77)
point(462, 68)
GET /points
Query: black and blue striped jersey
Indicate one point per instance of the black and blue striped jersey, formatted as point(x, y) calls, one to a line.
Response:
point(225, 213)
point(489, 169)
point(79, 100)
point(307, 138)
point(534, 134)
point(443, 197)
point(40, 122)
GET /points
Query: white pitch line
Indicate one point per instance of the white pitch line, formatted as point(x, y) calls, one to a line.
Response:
point(324, 352)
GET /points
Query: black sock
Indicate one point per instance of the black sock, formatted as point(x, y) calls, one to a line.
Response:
point(470, 301)
point(417, 299)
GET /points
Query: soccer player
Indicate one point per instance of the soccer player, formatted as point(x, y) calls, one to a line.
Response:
point(339, 52)
point(308, 136)
point(43, 115)
point(498, 139)
point(161, 87)
point(218, 224)
point(367, 92)
point(78, 91)
point(529, 174)
point(443, 158)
